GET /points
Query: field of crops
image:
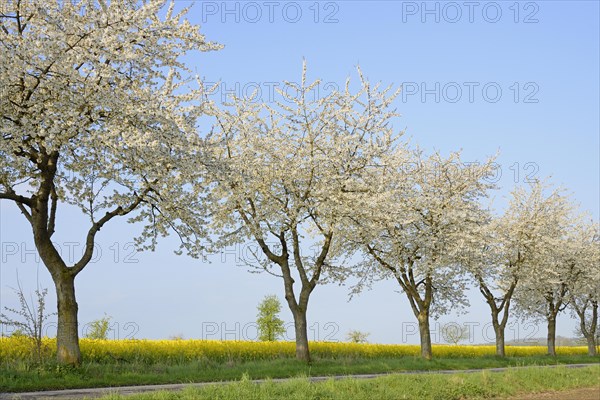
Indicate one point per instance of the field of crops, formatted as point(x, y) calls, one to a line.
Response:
point(175, 351)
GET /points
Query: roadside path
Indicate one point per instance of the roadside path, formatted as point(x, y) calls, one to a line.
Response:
point(571, 394)
point(69, 394)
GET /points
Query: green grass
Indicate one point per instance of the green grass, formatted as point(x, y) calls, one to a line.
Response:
point(482, 385)
point(21, 376)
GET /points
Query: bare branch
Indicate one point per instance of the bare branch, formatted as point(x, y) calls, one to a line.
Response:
point(89, 244)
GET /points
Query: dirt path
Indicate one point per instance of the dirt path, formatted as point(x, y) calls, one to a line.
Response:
point(574, 394)
point(69, 394)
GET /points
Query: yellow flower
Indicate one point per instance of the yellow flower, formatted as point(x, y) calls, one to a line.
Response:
point(179, 351)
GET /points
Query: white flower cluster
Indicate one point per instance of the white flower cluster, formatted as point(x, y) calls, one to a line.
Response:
point(97, 110)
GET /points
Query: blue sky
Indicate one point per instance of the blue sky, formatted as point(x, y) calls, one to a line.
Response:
point(483, 78)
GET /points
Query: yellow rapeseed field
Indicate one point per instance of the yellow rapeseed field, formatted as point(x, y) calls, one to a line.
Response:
point(174, 351)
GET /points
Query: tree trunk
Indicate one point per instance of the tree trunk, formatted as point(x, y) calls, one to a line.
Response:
point(503, 307)
point(591, 331)
point(552, 336)
point(298, 309)
point(591, 343)
point(302, 352)
point(67, 337)
point(425, 335)
point(499, 330)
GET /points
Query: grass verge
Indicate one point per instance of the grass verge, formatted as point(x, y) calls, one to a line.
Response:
point(21, 376)
point(481, 385)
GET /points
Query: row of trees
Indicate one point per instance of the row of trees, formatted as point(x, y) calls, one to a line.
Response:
point(544, 255)
point(330, 174)
point(97, 112)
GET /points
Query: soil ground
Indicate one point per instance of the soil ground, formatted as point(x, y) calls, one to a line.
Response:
point(574, 394)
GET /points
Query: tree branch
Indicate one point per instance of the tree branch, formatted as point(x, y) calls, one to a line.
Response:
point(11, 195)
point(89, 243)
point(321, 259)
point(261, 242)
point(52, 217)
point(297, 257)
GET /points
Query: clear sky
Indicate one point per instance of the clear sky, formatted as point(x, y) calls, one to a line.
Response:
point(518, 78)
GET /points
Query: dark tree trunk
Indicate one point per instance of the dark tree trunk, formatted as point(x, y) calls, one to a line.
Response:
point(552, 336)
point(67, 337)
point(500, 347)
point(589, 331)
point(497, 310)
point(42, 217)
point(302, 352)
point(591, 343)
point(298, 309)
point(425, 335)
